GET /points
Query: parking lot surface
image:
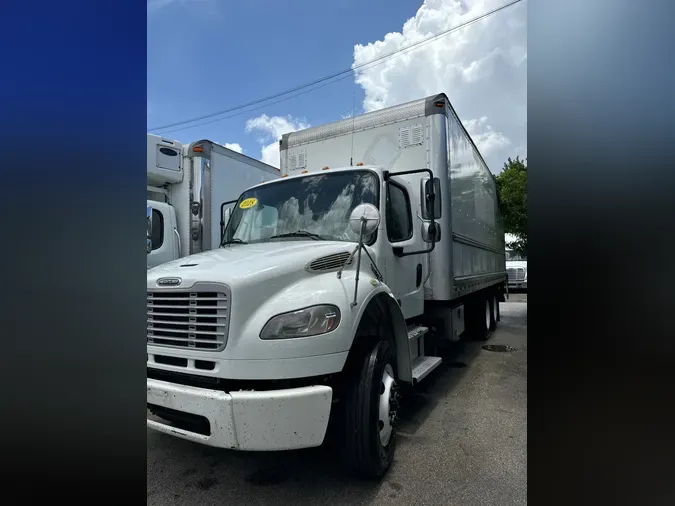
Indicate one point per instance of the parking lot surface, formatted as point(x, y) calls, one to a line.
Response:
point(462, 440)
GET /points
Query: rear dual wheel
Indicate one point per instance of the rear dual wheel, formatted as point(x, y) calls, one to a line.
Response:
point(483, 316)
point(494, 310)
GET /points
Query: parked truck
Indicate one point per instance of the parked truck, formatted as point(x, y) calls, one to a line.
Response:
point(516, 265)
point(186, 185)
point(380, 245)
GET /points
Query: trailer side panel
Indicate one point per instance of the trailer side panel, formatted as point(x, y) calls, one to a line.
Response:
point(477, 230)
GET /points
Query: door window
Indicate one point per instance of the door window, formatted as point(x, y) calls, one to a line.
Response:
point(157, 235)
point(399, 214)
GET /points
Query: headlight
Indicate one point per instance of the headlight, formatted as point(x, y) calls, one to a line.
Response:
point(311, 321)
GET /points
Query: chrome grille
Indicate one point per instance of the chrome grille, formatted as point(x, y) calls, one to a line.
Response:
point(516, 274)
point(188, 319)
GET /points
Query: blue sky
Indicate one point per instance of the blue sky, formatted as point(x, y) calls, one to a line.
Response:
point(208, 55)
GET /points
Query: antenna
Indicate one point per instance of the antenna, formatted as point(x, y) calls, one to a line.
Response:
point(351, 157)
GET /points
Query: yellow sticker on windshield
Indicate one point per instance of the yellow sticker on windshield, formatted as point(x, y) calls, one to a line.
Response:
point(246, 203)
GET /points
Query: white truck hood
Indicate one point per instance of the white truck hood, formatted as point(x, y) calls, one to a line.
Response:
point(514, 264)
point(246, 263)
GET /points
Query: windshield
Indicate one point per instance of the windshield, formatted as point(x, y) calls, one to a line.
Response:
point(512, 256)
point(312, 207)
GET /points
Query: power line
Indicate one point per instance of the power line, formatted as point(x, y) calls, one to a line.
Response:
point(262, 106)
point(326, 80)
point(284, 99)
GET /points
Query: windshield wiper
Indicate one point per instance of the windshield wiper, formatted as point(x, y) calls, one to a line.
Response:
point(299, 233)
point(234, 241)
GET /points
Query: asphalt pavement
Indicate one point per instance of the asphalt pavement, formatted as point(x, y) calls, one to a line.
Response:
point(462, 440)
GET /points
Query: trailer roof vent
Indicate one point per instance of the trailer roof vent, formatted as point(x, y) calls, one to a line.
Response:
point(410, 136)
point(297, 161)
point(329, 263)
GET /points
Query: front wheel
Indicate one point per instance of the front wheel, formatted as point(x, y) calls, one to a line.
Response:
point(371, 402)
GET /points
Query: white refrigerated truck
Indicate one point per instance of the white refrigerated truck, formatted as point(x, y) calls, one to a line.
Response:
point(186, 185)
point(332, 287)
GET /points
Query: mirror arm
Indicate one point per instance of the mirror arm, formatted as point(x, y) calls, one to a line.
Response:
point(358, 261)
point(398, 251)
point(388, 174)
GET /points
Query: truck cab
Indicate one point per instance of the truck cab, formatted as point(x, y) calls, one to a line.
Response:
point(516, 268)
point(306, 263)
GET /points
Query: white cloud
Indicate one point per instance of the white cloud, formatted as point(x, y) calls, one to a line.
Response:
point(234, 147)
point(271, 129)
point(487, 140)
point(481, 67)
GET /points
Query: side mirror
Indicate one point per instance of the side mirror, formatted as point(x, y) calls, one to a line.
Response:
point(148, 232)
point(431, 234)
point(427, 188)
point(364, 213)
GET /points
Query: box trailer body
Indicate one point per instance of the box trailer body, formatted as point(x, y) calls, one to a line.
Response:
point(380, 243)
point(428, 134)
point(186, 185)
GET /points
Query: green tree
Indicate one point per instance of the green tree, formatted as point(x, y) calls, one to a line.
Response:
point(512, 190)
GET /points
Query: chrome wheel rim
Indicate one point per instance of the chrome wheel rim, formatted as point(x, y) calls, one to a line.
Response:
point(387, 405)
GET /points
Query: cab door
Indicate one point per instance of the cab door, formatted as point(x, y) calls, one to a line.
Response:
point(405, 275)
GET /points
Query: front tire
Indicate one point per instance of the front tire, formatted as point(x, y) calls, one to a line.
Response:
point(371, 400)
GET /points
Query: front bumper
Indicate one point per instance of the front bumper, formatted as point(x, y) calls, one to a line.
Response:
point(522, 285)
point(247, 420)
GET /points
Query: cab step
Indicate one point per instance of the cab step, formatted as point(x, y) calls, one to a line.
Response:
point(422, 367)
point(416, 340)
point(416, 331)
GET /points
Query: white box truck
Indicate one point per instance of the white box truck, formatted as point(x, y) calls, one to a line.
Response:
point(186, 185)
point(318, 304)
